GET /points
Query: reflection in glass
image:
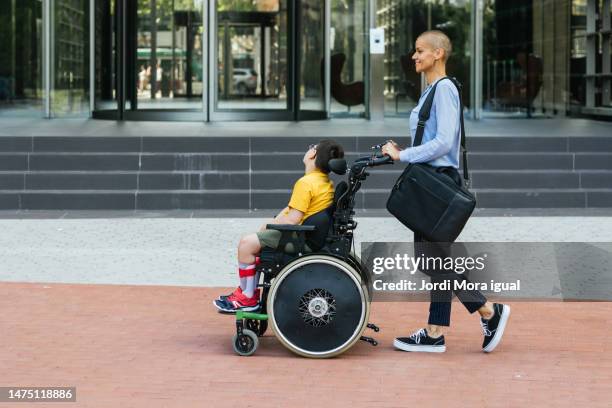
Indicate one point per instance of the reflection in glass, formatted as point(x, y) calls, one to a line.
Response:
point(347, 42)
point(252, 50)
point(526, 49)
point(591, 56)
point(404, 21)
point(70, 87)
point(21, 69)
point(105, 53)
point(168, 61)
point(312, 56)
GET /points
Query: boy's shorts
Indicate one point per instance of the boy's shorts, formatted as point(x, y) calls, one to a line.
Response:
point(271, 238)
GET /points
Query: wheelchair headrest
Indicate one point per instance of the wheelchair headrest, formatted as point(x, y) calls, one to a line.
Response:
point(338, 166)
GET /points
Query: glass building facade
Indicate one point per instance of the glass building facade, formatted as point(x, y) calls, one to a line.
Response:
point(215, 60)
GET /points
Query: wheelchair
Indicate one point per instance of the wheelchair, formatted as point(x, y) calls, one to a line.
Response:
point(317, 301)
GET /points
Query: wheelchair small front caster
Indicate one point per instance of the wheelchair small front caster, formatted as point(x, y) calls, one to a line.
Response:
point(245, 343)
point(259, 327)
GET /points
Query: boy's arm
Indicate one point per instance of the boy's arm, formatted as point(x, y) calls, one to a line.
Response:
point(298, 204)
point(292, 216)
point(287, 216)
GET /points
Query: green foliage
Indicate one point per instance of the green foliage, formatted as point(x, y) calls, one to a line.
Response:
point(237, 5)
point(163, 12)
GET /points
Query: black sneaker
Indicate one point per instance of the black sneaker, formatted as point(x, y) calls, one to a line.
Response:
point(493, 329)
point(420, 341)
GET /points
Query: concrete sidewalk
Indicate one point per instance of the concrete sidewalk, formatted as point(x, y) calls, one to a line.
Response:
point(202, 251)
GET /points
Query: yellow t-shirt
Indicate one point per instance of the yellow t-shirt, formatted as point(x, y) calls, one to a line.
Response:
point(312, 193)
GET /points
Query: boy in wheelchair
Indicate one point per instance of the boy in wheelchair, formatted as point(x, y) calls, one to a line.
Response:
point(312, 193)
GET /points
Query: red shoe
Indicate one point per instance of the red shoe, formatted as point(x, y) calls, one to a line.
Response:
point(231, 295)
point(240, 302)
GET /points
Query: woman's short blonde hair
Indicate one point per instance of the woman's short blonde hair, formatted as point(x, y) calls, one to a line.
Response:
point(437, 39)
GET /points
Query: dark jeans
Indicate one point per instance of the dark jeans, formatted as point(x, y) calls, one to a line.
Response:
point(441, 300)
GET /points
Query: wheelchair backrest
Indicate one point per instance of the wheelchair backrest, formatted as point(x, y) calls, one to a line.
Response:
point(322, 221)
point(340, 196)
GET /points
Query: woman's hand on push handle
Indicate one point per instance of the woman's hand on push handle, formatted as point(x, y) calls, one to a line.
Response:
point(392, 150)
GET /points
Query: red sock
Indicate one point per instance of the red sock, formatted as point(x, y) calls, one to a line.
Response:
point(246, 270)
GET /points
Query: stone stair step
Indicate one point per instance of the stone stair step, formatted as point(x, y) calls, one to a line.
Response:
point(274, 199)
point(210, 172)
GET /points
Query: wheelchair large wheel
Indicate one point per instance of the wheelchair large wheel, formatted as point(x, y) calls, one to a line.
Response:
point(318, 306)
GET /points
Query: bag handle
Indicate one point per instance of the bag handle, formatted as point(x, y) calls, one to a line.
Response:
point(424, 117)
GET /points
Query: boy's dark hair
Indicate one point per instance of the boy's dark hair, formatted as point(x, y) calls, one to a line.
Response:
point(326, 150)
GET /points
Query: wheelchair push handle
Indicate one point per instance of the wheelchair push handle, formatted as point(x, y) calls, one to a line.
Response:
point(380, 158)
point(375, 159)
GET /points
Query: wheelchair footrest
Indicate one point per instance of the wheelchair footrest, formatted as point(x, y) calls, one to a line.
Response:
point(240, 315)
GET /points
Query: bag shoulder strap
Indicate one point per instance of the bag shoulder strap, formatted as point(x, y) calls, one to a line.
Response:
point(424, 114)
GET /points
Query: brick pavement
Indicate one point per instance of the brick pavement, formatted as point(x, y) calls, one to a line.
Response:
point(162, 346)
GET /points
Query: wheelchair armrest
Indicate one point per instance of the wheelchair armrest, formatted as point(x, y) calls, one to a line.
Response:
point(293, 234)
point(290, 227)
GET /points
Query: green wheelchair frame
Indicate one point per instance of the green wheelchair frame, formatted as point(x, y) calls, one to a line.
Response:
point(249, 326)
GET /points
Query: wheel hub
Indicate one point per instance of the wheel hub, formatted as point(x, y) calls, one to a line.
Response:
point(317, 307)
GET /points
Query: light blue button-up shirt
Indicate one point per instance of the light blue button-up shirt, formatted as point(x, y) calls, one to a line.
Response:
point(442, 138)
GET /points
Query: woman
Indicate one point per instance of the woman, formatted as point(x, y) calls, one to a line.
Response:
point(440, 148)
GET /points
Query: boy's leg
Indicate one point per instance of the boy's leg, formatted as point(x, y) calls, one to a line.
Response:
point(248, 245)
point(248, 248)
point(244, 298)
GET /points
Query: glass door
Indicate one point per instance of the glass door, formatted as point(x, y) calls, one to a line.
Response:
point(268, 60)
point(348, 36)
point(519, 43)
point(251, 63)
point(166, 55)
point(262, 59)
point(107, 15)
point(311, 59)
point(21, 58)
point(148, 59)
point(404, 21)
